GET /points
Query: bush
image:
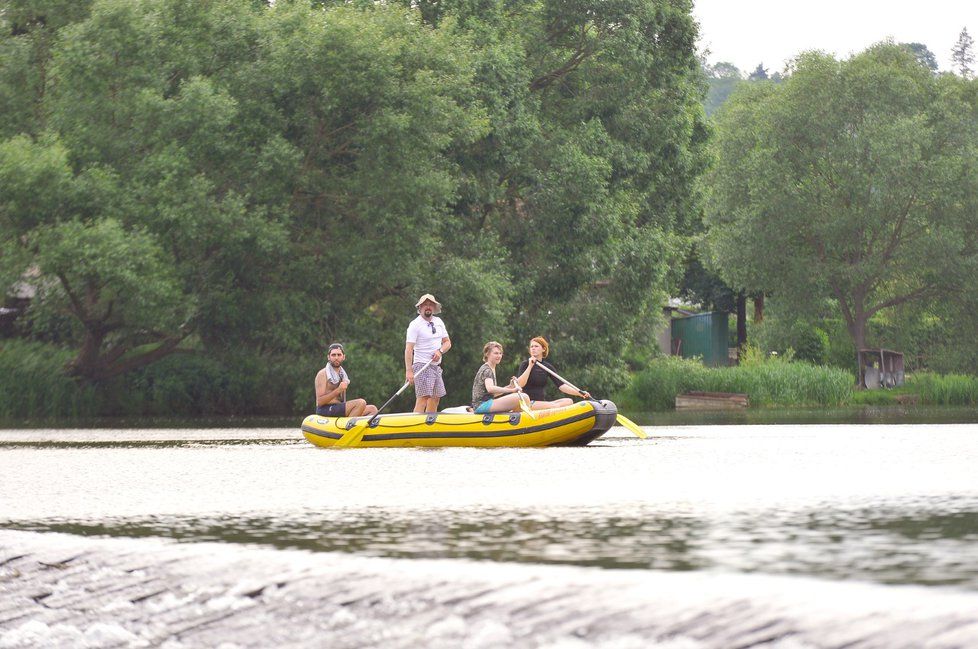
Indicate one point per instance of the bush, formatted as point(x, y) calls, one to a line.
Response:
point(33, 382)
point(196, 384)
point(773, 381)
point(810, 342)
point(946, 390)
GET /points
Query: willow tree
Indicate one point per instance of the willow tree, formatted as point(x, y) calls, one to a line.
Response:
point(853, 181)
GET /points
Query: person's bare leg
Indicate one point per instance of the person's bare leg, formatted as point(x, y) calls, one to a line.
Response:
point(355, 407)
point(370, 411)
point(559, 403)
point(506, 403)
point(432, 405)
point(421, 404)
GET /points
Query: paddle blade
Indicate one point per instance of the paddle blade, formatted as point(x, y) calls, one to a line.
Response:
point(632, 426)
point(525, 407)
point(352, 437)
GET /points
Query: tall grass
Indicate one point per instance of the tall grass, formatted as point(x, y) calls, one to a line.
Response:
point(946, 390)
point(33, 383)
point(766, 382)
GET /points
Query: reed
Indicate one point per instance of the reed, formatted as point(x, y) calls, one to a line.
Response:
point(33, 382)
point(767, 383)
point(946, 389)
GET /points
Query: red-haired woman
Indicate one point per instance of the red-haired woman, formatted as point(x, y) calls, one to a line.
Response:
point(533, 379)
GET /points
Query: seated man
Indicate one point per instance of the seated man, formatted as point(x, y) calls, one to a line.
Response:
point(331, 384)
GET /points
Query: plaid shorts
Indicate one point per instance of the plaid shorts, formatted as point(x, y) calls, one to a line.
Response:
point(429, 382)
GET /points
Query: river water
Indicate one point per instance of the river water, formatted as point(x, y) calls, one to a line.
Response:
point(793, 524)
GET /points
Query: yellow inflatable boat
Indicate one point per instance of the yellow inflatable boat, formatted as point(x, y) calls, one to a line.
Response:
point(574, 425)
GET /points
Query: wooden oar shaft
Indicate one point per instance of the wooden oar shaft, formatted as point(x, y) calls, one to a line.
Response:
point(622, 419)
point(558, 376)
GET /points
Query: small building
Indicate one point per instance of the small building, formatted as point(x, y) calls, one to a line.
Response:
point(703, 335)
point(675, 309)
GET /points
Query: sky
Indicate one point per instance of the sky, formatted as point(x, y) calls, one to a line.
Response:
point(748, 32)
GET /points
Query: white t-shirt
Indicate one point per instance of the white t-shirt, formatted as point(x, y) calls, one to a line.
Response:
point(425, 341)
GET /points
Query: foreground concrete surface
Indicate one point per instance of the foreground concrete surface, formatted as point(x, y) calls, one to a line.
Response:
point(67, 591)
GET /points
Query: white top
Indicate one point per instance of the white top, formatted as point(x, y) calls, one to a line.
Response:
point(425, 342)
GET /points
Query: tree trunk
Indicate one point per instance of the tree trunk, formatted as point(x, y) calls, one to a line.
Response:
point(759, 308)
point(857, 331)
point(87, 364)
point(741, 321)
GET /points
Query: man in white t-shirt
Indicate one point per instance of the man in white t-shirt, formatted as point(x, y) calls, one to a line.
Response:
point(427, 340)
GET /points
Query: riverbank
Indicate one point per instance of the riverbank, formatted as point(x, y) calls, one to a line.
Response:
point(871, 413)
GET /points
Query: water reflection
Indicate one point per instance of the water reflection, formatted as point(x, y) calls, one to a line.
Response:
point(880, 544)
point(846, 415)
point(892, 414)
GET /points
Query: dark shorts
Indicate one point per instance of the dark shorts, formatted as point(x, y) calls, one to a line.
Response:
point(332, 410)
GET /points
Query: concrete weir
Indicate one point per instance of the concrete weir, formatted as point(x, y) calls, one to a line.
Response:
point(67, 591)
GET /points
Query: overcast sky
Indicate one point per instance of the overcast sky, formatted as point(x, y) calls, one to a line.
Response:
point(748, 32)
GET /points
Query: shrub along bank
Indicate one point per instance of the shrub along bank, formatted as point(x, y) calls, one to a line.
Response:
point(33, 384)
point(769, 382)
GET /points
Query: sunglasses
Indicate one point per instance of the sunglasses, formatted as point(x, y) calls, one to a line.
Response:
point(432, 325)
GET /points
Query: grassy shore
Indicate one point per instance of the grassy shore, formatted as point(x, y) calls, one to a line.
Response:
point(785, 382)
point(773, 382)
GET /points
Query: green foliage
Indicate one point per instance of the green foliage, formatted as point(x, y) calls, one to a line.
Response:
point(923, 55)
point(868, 201)
point(946, 390)
point(806, 341)
point(768, 382)
point(206, 177)
point(888, 397)
point(33, 383)
point(722, 79)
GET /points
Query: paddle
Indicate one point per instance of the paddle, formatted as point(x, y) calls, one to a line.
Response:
point(622, 419)
point(353, 436)
point(524, 406)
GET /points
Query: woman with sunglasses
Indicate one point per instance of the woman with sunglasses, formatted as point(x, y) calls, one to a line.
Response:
point(534, 379)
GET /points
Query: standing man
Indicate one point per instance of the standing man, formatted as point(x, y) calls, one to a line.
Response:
point(331, 384)
point(427, 339)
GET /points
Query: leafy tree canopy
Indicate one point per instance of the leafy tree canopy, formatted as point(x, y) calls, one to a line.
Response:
point(852, 180)
point(239, 174)
point(923, 55)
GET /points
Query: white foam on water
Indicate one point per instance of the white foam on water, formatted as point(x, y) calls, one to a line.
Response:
point(34, 634)
point(324, 599)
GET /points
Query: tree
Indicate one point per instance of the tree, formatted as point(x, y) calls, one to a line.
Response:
point(868, 200)
point(582, 188)
point(189, 151)
point(721, 79)
point(700, 285)
point(124, 198)
point(246, 175)
point(923, 54)
point(963, 55)
point(759, 73)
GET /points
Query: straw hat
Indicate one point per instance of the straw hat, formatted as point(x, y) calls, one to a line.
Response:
point(428, 296)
